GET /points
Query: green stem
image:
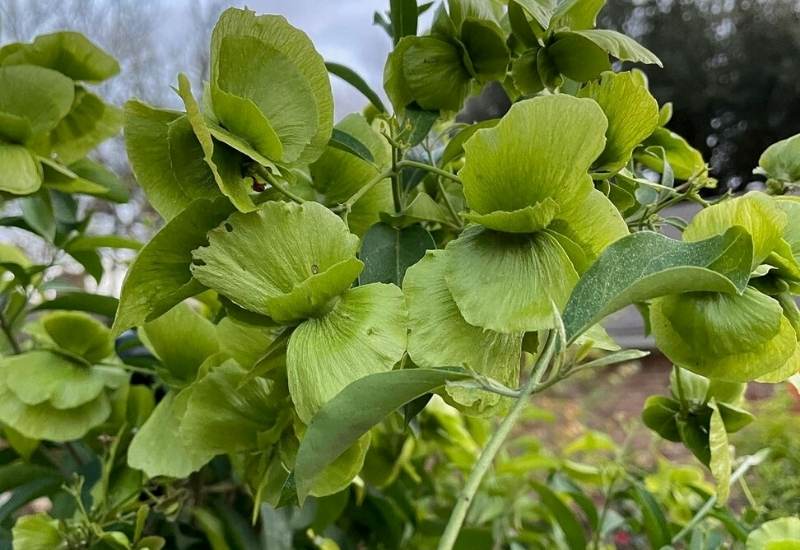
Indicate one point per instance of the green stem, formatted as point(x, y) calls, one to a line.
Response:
point(449, 205)
point(270, 178)
point(459, 513)
point(6, 328)
point(355, 197)
point(429, 168)
point(397, 199)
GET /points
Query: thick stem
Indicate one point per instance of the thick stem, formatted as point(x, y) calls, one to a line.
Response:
point(494, 445)
point(429, 168)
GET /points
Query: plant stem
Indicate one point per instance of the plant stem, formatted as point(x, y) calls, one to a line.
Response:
point(355, 197)
point(486, 458)
point(449, 205)
point(429, 168)
point(9, 334)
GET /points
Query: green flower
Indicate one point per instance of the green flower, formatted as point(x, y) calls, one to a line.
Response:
point(49, 121)
point(268, 103)
point(539, 219)
point(465, 48)
point(59, 391)
point(733, 337)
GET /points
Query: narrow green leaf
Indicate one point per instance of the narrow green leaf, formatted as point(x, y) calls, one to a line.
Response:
point(350, 144)
point(646, 265)
point(37, 210)
point(351, 77)
point(655, 524)
point(573, 531)
point(355, 410)
point(403, 14)
point(419, 123)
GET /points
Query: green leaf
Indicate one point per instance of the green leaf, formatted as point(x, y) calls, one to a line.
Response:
point(251, 345)
point(721, 458)
point(69, 53)
point(403, 15)
point(308, 259)
point(778, 534)
point(264, 60)
point(618, 45)
point(507, 283)
point(660, 415)
point(352, 78)
point(418, 123)
point(388, 252)
point(182, 339)
point(541, 11)
point(781, 160)
point(576, 57)
point(655, 524)
point(525, 72)
point(36, 532)
point(354, 411)
point(646, 265)
point(229, 411)
point(106, 183)
point(756, 212)
point(521, 162)
point(157, 448)
point(160, 276)
point(440, 337)
point(569, 524)
point(364, 333)
point(20, 172)
point(167, 159)
point(89, 122)
point(39, 95)
point(37, 211)
point(632, 114)
point(345, 142)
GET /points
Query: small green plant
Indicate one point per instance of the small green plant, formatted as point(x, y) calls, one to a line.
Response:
point(318, 290)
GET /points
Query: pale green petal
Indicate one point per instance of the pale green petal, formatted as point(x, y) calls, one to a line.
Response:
point(506, 282)
point(224, 162)
point(592, 223)
point(434, 73)
point(265, 59)
point(723, 324)
point(738, 363)
point(89, 122)
point(20, 172)
point(781, 160)
point(440, 337)
point(756, 212)
point(39, 377)
point(394, 80)
point(285, 260)
point(525, 220)
point(364, 333)
point(778, 534)
point(339, 474)
point(166, 158)
point(157, 448)
point(182, 339)
point(245, 120)
point(685, 160)
point(543, 147)
point(785, 371)
point(44, 421)
point(632, 114)
point(245, 343)
point(485, 44)
point(229, 412)
point(337, 175)
point(69, 53)
point(79, 334)
point(36, 532)
point(791, 233)
point(40, 95)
